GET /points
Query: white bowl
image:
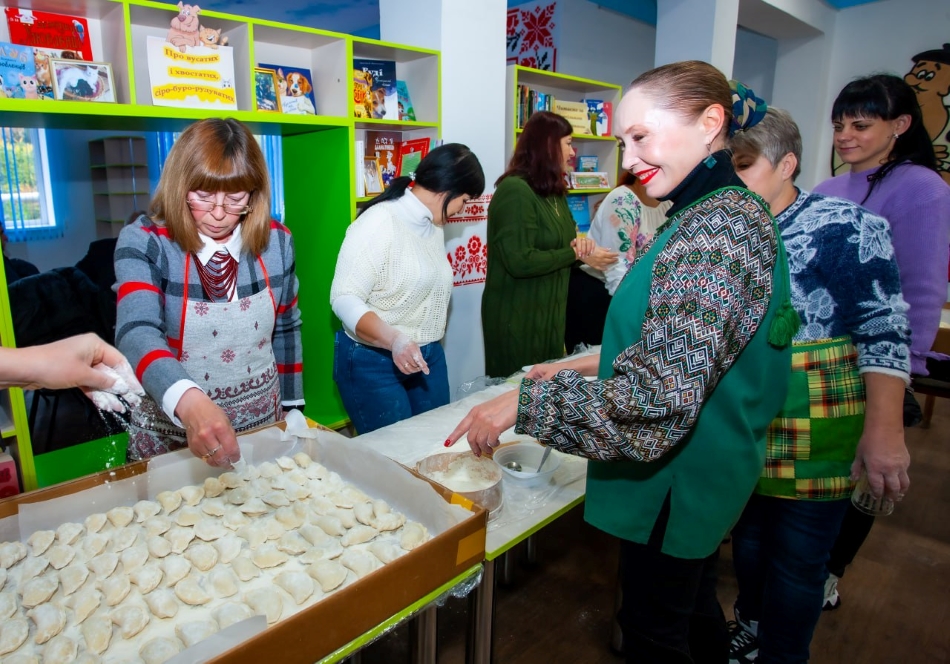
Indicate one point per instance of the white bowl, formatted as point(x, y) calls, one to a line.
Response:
point(529, 456)
point(476, 478)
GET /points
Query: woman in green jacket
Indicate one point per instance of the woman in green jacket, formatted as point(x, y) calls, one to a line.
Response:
point(532, 244)
point(696, 345)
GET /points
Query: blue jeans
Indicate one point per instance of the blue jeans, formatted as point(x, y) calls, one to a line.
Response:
point(780, 548)
point(375, 393)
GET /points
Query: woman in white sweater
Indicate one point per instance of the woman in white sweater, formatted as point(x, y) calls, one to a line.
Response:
point(391, 290)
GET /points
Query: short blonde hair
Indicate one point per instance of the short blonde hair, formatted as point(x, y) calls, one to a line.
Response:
point(213, 155)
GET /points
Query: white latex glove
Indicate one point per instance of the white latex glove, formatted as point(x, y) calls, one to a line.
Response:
point(126, 386)
point(406, 355)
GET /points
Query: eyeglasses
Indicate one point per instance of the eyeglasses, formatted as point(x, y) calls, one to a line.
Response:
point(200, 205)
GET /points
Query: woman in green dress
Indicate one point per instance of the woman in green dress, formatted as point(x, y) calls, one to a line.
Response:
point(532, 244)
point(691, 371)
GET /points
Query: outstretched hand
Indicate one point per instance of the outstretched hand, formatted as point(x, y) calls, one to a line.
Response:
point(485, 422)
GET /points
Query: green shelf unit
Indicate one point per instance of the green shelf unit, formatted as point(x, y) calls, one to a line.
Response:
point(319, 166)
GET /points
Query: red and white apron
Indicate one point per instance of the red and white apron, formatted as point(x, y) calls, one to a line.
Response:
point(226, 349)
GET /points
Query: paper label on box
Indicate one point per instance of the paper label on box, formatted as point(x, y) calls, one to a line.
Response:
point(201, 77)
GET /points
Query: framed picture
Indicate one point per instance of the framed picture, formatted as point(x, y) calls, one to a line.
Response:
point(77, 80)
point(295, 89)
point(265, 90)
point(372, 176)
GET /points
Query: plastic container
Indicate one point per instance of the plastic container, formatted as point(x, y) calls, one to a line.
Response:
point(476, 478)
point(529, 456)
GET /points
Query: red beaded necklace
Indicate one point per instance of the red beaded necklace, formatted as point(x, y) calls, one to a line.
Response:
point(218, 276)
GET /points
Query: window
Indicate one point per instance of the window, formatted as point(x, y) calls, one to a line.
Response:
point(27, 211)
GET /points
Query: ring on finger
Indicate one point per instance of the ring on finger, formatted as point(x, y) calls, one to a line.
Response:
point(211, 453)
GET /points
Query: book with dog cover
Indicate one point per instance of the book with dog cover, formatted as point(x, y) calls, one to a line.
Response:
point(295, 89)
point(382, 145)
point(53, 31)
point(378, 98)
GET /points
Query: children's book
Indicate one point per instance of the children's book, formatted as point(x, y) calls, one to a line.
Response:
point(382, 100)
point(574, 112)
point(295, 89)
point(17, 72)
point(382, 145)
point(590, 181)
point(44, 69)
point(409, 154)
point(586, 163)
point(52, 31)
point(201, 78)
point(599, 113)
point(580, 210)
point(406, 111)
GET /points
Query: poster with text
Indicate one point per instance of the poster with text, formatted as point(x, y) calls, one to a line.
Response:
point(201, 78)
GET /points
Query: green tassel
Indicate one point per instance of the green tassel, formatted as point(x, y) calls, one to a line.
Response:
point(784, 325)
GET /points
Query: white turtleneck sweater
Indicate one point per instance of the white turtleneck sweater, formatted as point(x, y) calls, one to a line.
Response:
point(393, 263)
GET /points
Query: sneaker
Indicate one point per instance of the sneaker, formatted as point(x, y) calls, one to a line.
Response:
point(743, 645)
point(832, 598)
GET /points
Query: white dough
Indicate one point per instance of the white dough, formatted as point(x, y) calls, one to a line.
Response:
point(203, 556)
point(214, 506)
point(157, 525)
point(286, 463)
point(230, 479)
point(68, 533)
point(179, 538)
point(289, 518)
point(39, 590)
point(358, 535)
point(224, 581)
point(95, 522)
point(60, 555)
point(214, 487)
point(60, 650)
point(209, 530)
point(360, 562)
point(273, 529)
point(192, 632)
point(49, 620)
point(228, 548)
point(84, 602)
point(325, 550)
point(40, 541)
point(253, 534)
point(169, 500)
point(162, 603)
point(8, 605)
point(104, 564)
point(3, 577)
point(313, 534)
point(269, 469)
point(386, 551)
point(159, 650)
point(125, 538)
point(189, 591)
point(176, 569)
point(188, 516)
point(73, 576)
point(292, 543)
point(266, 602)
point(134, 557)
point(32, 568)
point(413, 534)
point(12, 634)
point(232, 612)
point(97, 633)
point(158, 546)
point(268, 555)
point(147, 578)
point(276, 499)
point(303, 459)
point(328, 573)
point(298, 584)
point(11, 553)
point(254, 507)
point(239, 496)
point(130, 619)
point(390, 521)
point(93, 545)
point(245, 568)
point(234, 518)
point(331, 525)
point(120, 516)
point(145, 509)
point(192, 495)
point(21, 658)
point(116, 588)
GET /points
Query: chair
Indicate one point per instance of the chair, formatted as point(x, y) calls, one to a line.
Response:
point(937, 384)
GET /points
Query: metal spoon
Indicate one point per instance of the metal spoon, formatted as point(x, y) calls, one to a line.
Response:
point(513, 465)
point(544, 457)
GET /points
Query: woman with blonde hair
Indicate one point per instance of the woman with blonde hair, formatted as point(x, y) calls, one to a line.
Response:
point(207, 300)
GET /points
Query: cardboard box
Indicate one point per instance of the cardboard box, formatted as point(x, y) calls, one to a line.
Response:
point(340, 617)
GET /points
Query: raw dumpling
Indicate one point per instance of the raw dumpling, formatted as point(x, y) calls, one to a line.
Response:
point(192, 495)
point(97, 632)
point(209, 530)
point(176, 569)
point(297, 476)
point(365, 514)
point(268, 555)
point(22, 658)
point(296, 491)
point(203, 556)
point(60, 650)
point(245, 569)
point(302, 459)
point(49, 620)
point(125, 538)
point(346, 516)
point(386, 551)
point(189, 591)
point(87, 657)
point(360, 562)
point(234, 518)
point(3, 577)
point(297, 584)
point(116, 588)
point(253, 534)
point(194, 631)
point(36, 591)
point(266, 602)
point(214, 507)
point(358, 535)
point(157, 525)
point(93, 545)
point(11, 553)
point(228, 548)
point(134, 557)
point(188, 516)
point(68, 533)
point(169, 500)
point(130, 619)
point(224, 582)
point(32, 568)
point(232, 612)
point(390, 521)
point(60, 555)
point(8, 605)
point(321, 505)
point(94, 522)
point(313, 534)
point(147, 578)
point(289, 518)
point(84, 603)
point(120, 516)
point(40, 541)
point(214, 487)
point(104, 564)
point(292, 543)
point(159, 650)
point(269, 469)
point(325, 550)
point(286, 463)
point(328, 573)
point(179, 538)
point(230, 479)
point(331, 525)
point(12, 634)
point(276, 499)
point(239, 496)
point(254, 507)
point(413, 534)
point(315, 471)
point(162, 603)
point(158, 546)
point(145, 509)
point(273, 529)
point(73, 576)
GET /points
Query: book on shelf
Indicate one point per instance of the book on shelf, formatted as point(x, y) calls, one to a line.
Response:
point(600, 116)
point(596, 180)
point(57, 32)
point(574, 112)
point(382, 145)
point(586, 163)
point(409, 154)
point(377, 97)
point(201, 78)
point(530, 101)
point(406, 111)
point(17, 72)
point(580, 210)
point(295, 89)
point(360, 182)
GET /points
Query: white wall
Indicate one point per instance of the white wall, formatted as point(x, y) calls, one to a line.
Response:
point(755, 59)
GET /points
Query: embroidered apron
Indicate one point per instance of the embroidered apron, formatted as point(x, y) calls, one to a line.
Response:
point(226, 349)
point(712, 471)
point(811, 444)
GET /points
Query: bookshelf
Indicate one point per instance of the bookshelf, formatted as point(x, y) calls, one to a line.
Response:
point(319, 202)
point(119, 171)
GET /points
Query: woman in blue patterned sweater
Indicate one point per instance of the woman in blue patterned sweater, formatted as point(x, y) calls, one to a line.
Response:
point(843, 414)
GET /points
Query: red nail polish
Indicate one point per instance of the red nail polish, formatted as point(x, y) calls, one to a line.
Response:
point(448, 441)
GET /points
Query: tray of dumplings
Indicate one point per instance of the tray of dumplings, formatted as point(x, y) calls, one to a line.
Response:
point(182, 562)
